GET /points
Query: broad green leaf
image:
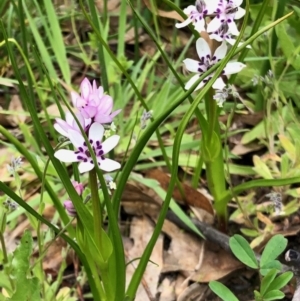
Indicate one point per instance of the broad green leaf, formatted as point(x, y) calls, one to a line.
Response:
point(222, 291)
point(242, 250)
point(267, 280)
point(274, 264)
point(281, 281)
point(26, 288)
point(273, 295)
point(273, 249)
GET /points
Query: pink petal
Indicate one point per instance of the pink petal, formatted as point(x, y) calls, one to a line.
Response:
point(74, 97)
point(115, 113)
point(85, 88)
point(76, 138)
point(100, 118)
point(61, 129)
point(106, 105)
point(88, 112)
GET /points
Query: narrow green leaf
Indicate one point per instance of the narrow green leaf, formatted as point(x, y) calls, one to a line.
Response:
point(267, 280)
point(273, 249)
point(274, 295)
point(281, 281)
point(242, 250)
point(222, 291)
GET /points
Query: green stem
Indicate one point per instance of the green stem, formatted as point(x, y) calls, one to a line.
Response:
point(215, 171)
point(96, 207)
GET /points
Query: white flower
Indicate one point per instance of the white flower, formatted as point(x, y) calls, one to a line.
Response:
point(207, 60)
point(83, 155)
point(196, 15)
point(223, 34)
point(226, 12)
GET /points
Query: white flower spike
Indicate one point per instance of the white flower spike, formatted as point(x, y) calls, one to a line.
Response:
point(82, 153)
point(207, 60)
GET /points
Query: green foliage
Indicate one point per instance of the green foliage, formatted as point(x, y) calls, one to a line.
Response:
point(268, 267)
point(26, 286)
point(222, 291)
point(242, 250)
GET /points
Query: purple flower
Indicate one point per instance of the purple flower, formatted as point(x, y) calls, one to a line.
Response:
point(63, 126)
point(226, 12)
point(207, 60)
point(78, 187)
point(70, 208)
point(82, 154)
point(93, 103)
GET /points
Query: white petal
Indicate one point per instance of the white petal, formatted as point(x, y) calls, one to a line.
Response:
point(110, 143)
point(221, 51)
point(189, 9)
point(200, 86)
point(109, 165)
point(184, 23)
point(74, 97)
point(191, 65)
point(85, 88)
point(240, 13)
point(66, 155)
point(216, 37)
point(211, 5)
point(232, 28)
point(96, 132)
point(85, 166)
point(191, 81)
point(238, 2)
point(218, 84)
point(202, 48)
point(69, 118)
point(59, 129)
point(76, 138)
point(232, 42)
point(200, 25)
point(214, 25)
point(233, 67)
